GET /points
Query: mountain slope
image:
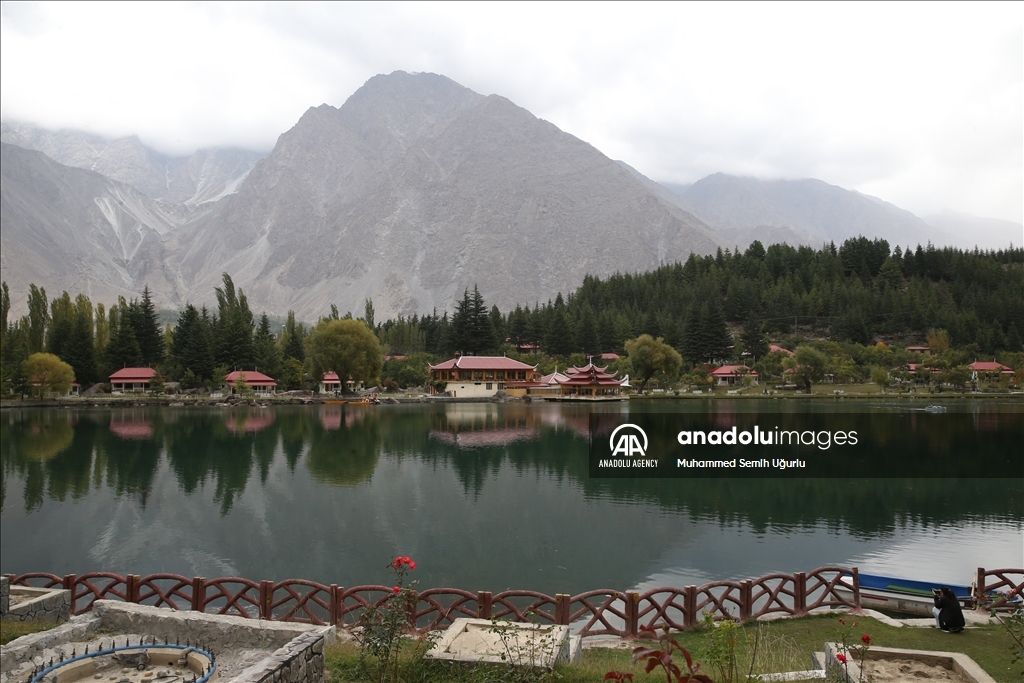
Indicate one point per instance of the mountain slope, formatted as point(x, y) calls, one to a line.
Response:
point(69, 229)
point(974, 231)
point(204, 176)
point(812, 210)
point(417, 188)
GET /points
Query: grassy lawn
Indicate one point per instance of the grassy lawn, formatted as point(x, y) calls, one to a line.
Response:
point(784, 645)
point(9, 630)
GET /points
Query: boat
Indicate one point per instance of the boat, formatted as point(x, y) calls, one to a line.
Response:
point(904, 595)
point(935, 409)
point(334, 402)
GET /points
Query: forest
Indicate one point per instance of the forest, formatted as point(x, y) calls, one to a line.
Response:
point(859, 304)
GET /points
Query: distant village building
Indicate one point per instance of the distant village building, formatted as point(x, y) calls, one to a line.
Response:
point(467, 376)
point(733, 374)
point(989, 370)
point(131, 380)
point(257, 382)
point(920, 349)
point(330, 383)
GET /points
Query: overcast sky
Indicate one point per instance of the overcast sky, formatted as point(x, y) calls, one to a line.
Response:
point(920, 104)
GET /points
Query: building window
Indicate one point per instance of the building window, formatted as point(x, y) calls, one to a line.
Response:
point(501, 386)
point(488, 386)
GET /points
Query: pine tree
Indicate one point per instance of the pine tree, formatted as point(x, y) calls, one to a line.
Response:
point(753, 340)
point(233, 339)
point(587, 339)
point(268, 360)
point(559, 338)
point(38, 318)
point(147, 330)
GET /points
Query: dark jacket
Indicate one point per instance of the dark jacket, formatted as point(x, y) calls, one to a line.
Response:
point(951, 618)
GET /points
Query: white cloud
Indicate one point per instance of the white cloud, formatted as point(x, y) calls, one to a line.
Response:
point(920, 104)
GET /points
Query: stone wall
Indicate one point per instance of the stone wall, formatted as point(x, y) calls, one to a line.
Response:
point(218, 631)
point(5, 594)
point(26, 648)
point(37, 604)
point(300, 660)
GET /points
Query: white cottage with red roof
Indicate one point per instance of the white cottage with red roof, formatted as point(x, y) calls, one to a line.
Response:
point(131, 379)
point(469, 376)
point(257, 382)
point(733, 374)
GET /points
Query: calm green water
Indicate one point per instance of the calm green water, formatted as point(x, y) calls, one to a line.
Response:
point(483, 496)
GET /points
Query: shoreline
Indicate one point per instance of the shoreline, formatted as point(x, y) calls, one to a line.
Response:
point(128, 401)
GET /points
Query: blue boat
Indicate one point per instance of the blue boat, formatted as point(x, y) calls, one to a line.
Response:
point(905, 595)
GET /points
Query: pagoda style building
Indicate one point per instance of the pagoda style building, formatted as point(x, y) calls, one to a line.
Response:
point(591, 382)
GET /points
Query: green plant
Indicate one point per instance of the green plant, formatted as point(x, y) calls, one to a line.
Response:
point(720, 653)
point(662, 656)
point(1014, 625)
point(383, 625)
point(854, 650)
point(524, 655)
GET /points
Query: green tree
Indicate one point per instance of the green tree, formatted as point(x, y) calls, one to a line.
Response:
point(233, 335)
point(587, 339)
point(347, 347)
point(123, 349)
point(558, 341)
point(292, 374)
point(38, 318)
point(268, 360)
point(809, 365)
point(648, 356)
point(293, 339)
point(47, 373)
point(753, 339)
point(147, 330)
point(191, 347)
point(879, 376)
point(368, 314)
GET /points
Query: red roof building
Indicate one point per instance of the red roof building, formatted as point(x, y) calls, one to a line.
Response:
point(481, 375)
point(131, 379)
point(590, 381)
point(255, 381)
point(991, 369)
point(733, 374)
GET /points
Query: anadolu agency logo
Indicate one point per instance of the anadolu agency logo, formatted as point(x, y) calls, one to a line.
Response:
point(629, 442)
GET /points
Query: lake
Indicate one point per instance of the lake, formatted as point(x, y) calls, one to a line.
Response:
point(483, 496)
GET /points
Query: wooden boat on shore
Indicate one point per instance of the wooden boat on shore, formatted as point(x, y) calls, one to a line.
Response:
point(908, 596)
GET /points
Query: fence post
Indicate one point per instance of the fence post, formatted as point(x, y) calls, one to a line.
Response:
point(334, 604)
point(562, 608)
point(131, 588)
point(856, 587)
point(746, 599)
point(266, 600)
point(69, 585)
point(483, 604)
point(800, 589)
point(979, 587)
point(632, 599)
point(690, 613)
point(199, 594)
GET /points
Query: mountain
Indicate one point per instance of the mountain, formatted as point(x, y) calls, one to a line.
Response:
point(417, 188)
point(205, 176)
point(974, 231)
point(69, 229)
point(805, 211)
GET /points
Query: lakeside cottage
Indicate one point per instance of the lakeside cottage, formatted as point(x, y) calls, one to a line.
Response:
point(733, 374)
point(471, 376)
point(988, 370)
point(131, 380)
point(256, 382)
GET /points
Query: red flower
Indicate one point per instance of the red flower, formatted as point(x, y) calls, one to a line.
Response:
point(842, 658)
point(842, 621)
point(866, 639)
point(403, 561)
point(396, 589)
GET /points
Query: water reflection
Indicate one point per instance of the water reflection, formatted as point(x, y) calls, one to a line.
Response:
point(489, 496)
